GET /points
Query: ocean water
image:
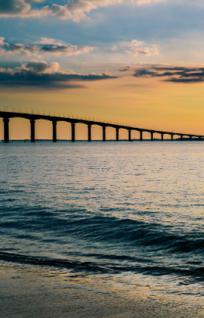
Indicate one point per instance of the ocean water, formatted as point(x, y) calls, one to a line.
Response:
point(132, 211)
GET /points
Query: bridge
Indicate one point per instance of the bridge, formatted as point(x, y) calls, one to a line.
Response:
point(8, 115)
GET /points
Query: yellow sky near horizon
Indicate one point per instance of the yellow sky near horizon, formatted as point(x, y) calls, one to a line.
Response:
point(149, 103)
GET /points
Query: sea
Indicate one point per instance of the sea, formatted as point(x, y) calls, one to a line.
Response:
point(132, 211)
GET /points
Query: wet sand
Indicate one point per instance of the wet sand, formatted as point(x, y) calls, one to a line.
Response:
point(33, 292)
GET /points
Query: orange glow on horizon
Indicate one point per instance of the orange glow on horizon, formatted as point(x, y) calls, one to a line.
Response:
point(146, 103)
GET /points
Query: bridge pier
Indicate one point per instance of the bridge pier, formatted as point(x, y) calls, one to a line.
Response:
point(32, 130)
point(181, 137)
point(89, 132)
point(129, 134)
point(54, 131)
point(117, 133)
point(104, 133)
point(152, 135)
point(6, 129)
point(162, 137)
point(141, 135)
point(73, 132)
point(172, 137)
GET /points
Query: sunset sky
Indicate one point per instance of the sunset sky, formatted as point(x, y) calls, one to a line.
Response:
point(137, 62)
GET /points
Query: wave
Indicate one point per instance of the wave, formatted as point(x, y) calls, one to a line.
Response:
point(95, 268)
point(107, 244)
point(106, 229)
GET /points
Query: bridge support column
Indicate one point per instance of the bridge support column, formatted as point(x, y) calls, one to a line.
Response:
point(6, 129)
point(73, 132)
point(32, 130)
point(172, 137)
point(152, 136)
point(104, 133)
point(141, 135)
point(117, 133)
point(181, 137)
point(54, 131)
point(162, 137)
point(89, 132)
point(130, 134)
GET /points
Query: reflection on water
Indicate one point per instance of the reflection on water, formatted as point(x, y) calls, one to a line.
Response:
point(133, 211)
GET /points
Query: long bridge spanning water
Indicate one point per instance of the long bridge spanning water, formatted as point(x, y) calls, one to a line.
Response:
point(8, 115)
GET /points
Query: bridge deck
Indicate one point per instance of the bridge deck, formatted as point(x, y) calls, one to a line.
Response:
point(7, 115)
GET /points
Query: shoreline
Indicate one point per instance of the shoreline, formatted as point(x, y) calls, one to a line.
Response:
point(28, 291)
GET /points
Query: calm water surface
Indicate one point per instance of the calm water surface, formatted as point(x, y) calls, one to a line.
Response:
point(132, 211)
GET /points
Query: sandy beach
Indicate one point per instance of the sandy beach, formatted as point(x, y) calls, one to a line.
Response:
point(30, 292)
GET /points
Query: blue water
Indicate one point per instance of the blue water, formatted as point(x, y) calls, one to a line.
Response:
point(113, 209)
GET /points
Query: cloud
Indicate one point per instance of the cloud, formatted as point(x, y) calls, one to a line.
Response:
point(2, 41)
point(140, 48)
point(176, 74)
point(78, 9)
point(45, 46)
point(14, 7)
point(17, 7)
point(136, 48)
point(71, 9)
point(43, 74)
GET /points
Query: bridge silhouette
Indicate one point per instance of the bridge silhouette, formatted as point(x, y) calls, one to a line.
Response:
point(8, 115)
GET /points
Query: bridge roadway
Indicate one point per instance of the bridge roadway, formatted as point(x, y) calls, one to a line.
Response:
point(8, 115)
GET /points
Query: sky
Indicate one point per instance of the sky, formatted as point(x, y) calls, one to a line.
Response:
point(136, 62)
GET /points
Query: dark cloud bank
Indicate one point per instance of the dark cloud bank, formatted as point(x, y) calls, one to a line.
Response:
point(43, 74)
point(174, 74)
point(51, 75)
